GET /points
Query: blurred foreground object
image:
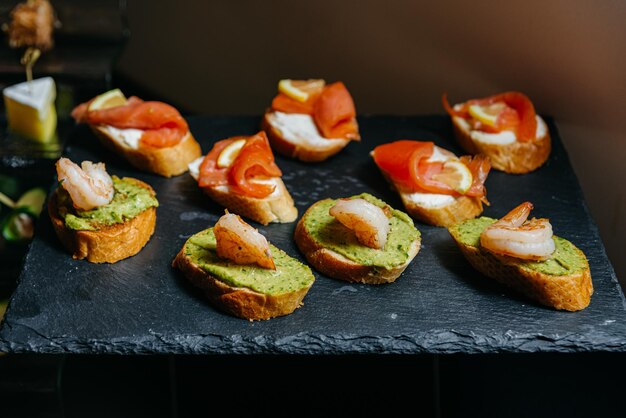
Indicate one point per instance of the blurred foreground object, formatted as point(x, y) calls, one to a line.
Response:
point(30, 108)
point(80, 63)
point(21, 202)
point(18, 225)
point(32, 23)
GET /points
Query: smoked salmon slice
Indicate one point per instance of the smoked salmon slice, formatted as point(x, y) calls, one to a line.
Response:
point(255, 160)
point(394, 159)
point(284, 103)
point(406, 163)
point(162, 124)
point(332, 110)
point(518, 114)
point(210, 174)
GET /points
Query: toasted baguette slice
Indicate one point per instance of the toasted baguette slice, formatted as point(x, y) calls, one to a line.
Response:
point(333, 264)
point(306, 146)
point(438, 210)
point(108, 244)
point(167, 161)
point(516, 157)
point(548, 282)
point(240, 301)
point(277, 207)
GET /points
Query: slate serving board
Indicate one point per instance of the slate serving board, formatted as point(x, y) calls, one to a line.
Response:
point(438, 305)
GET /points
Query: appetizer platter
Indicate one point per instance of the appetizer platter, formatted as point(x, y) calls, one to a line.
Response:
point(434, 302)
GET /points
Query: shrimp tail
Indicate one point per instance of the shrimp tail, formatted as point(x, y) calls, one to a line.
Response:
point(518, 215)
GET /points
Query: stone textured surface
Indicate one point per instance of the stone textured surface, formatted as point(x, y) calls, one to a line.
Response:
point(438, 305)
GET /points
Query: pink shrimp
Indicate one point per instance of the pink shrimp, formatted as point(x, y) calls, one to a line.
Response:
point(515, 236)
point(369, 222)
point(241, 243)
point(89, 185)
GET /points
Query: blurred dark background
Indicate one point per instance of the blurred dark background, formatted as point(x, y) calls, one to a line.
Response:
point(225, 58)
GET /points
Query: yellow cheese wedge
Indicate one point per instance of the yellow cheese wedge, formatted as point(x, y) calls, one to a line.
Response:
point(30, 109)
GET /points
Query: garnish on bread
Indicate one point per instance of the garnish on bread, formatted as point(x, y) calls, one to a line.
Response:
point(359, 239)
point(504, 127)
point(152, 136)
point(240, 174)
point(101, 218)
point(241, 273)
point(435, 186)
point(309, 120)
point(524, 255)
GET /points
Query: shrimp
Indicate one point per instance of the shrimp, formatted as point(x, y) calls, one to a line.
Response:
point(515, 236)
point(89, 185)
point(369, 222)
point(239, 242)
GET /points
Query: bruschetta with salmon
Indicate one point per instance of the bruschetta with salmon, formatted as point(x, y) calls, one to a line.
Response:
point(436, 187)
point(310, 120)
point(504, 127)
point(151, 135)
point(240, 174)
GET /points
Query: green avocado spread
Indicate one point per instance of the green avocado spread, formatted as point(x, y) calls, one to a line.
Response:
point(290, 275)
point(129, 200)
point(330, 233)
point(566, 259)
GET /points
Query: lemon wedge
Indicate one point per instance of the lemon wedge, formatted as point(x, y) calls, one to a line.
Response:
point(456, 175)
point(300, 90)
point(111, 98)
point(228, 154)
point(487, 115)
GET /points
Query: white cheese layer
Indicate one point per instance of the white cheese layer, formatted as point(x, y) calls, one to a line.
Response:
point(299, 128)
point(501, 138)
point(38, 94)
point(128, 138)
point(429, 200)
point(194, 167)
point(194, 170)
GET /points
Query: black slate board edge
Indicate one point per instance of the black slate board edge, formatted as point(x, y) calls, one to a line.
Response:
point(554, 130)
point(434, 342)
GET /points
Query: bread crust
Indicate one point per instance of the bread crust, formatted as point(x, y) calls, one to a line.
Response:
point(239, 301)
point(514, 158)
point(111, 243)
point(277, 207)
point(463, 208)
point(167, 161)
point(335, 265)
point(299, 151)
point(569, 292)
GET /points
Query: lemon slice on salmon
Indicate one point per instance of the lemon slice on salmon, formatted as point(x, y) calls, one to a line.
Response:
point(301, 90)
point(456, 175)
point(487, 115)
point(228, 154)
point(111, 98)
